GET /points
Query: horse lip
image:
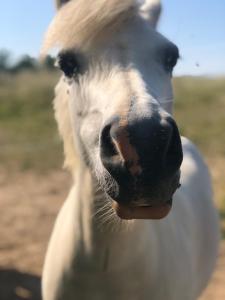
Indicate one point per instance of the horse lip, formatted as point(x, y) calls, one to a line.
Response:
point(149, 204)
point(154, 212)
point(131, 199)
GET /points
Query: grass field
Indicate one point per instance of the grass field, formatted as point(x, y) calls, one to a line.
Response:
point(29, 138)
point(27, 127)
point(200, 113)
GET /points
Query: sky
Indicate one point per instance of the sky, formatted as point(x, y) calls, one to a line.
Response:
point(196, 26)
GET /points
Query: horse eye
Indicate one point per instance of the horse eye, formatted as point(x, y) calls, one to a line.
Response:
point(68, 62)
point(171, 57)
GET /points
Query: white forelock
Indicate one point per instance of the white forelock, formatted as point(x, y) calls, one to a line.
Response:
point(79, 23)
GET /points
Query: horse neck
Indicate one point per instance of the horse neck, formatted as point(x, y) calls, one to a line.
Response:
point(95, 230)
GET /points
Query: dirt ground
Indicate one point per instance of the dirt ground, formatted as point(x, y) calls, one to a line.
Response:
point(28, 206)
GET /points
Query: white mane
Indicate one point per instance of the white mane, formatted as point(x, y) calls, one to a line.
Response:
point(79, 23)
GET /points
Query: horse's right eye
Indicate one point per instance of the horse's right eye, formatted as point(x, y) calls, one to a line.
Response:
point(68, 62)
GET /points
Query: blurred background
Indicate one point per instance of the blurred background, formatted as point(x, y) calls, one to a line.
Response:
point(32, 182)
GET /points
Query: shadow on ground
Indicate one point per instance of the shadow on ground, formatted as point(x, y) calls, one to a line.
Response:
point(15, 285)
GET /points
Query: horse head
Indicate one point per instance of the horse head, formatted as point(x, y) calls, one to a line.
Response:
point(118, 70)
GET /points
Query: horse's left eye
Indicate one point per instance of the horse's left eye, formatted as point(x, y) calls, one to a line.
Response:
point(171, 56)
point(69, 63)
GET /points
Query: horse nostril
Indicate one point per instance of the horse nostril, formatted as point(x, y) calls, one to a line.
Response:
point(107, 146)
point(174, 153)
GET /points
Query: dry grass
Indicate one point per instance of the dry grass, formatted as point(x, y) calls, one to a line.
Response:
point(200, 112)
point(27, 128)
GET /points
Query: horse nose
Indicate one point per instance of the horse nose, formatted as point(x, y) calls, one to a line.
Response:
point(149, 146)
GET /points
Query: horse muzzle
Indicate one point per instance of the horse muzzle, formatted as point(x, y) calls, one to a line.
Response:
point(143, 157)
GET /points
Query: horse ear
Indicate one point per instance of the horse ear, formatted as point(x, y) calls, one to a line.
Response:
point(151, 10)
point(59, 3)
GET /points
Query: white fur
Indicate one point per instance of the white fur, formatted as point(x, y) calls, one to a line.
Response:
point(151, 10)
point(95, 256)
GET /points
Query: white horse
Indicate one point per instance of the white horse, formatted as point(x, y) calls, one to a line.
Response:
point(126, 231)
